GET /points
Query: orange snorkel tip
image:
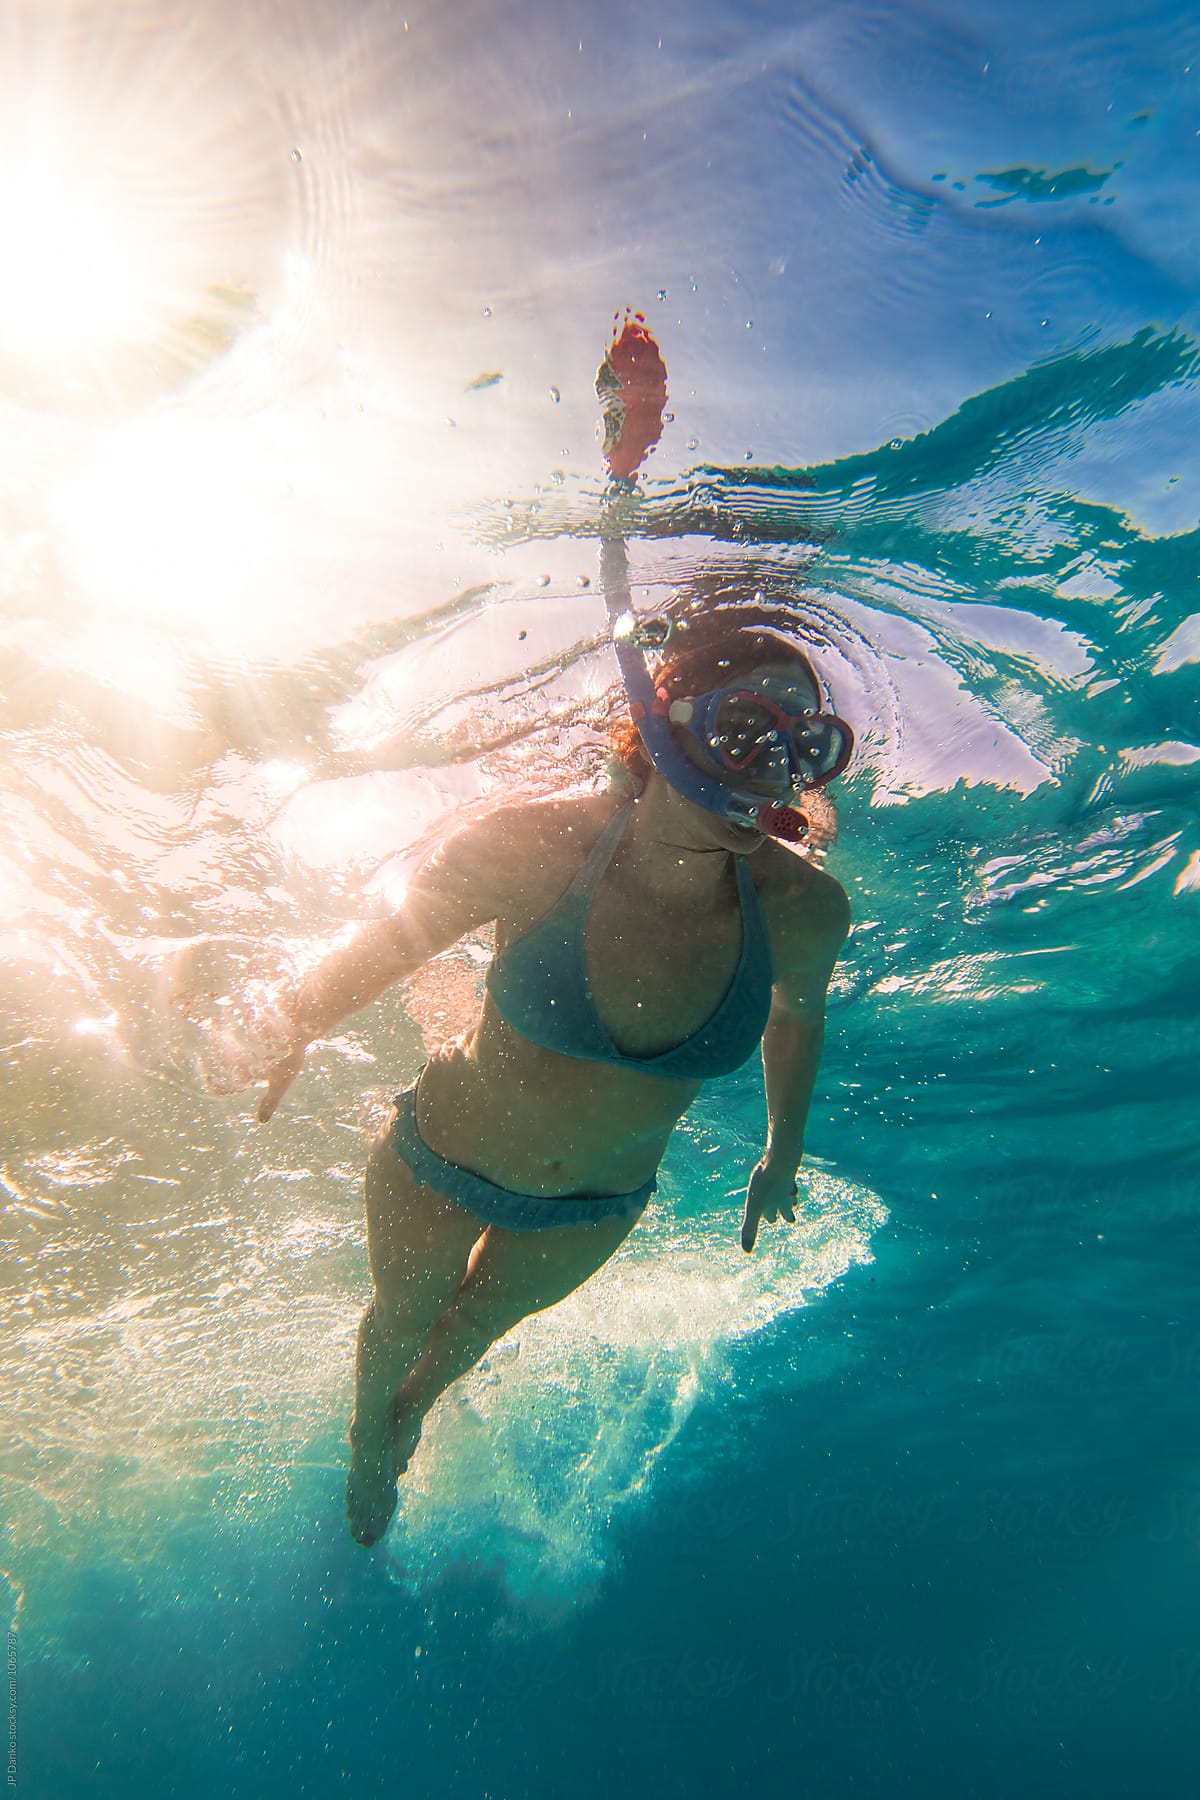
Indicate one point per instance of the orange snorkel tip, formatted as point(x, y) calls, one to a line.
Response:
point(632, 387)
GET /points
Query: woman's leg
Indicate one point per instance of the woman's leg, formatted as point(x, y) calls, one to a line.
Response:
point(419, 1244)
point(510, 1275)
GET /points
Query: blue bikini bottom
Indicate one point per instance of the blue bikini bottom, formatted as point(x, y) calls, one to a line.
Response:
point(500, 1205)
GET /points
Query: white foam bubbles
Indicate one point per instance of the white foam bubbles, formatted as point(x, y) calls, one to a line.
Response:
point(527, 1465)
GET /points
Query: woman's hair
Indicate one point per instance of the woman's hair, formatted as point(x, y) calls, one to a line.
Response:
point(706, 655)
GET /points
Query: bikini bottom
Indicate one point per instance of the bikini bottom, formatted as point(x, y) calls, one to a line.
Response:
point(500, 1205)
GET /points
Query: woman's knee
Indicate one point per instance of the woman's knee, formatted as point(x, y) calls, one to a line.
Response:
point(402, 1312)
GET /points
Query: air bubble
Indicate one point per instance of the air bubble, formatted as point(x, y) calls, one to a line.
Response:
point(555, 395)
point(296, 156)
point(662, 293)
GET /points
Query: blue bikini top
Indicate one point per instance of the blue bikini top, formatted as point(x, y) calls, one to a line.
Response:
point(540, 988)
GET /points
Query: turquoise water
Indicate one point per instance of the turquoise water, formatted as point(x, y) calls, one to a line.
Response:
point(297, 556)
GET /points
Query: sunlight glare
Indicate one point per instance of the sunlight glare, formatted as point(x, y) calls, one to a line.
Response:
point(75, 278)
point(176, 524)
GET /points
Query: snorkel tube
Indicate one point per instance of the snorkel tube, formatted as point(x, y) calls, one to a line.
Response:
point(632, 389)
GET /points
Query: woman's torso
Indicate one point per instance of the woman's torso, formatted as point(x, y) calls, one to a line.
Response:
point(542, 1122)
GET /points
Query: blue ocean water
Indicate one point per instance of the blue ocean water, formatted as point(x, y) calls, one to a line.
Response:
point(297, 556)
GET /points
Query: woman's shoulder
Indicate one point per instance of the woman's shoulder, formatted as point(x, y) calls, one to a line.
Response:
point(520, 838)
point(542, 823)
point(531, 816)
point(794, 891)
point(575, 813)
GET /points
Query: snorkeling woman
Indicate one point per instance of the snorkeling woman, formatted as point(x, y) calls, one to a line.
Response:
point(643, 944)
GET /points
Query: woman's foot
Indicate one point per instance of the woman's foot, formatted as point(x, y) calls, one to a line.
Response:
point(370, 1487)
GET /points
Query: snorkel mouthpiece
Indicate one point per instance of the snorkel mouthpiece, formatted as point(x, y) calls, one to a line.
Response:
point(783, 822)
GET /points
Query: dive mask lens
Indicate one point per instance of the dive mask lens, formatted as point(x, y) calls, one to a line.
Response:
point(747, 729)
point(742, 729)
point(823, 746)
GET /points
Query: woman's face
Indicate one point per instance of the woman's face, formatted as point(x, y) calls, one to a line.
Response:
point(770, 774)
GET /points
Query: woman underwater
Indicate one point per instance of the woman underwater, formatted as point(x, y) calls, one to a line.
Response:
point(643, 944)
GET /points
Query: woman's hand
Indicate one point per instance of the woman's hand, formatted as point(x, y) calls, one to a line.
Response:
point(771, 1195)
point(280, 1077)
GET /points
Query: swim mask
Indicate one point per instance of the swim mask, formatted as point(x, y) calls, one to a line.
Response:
point(750, 733)
point(812, 747)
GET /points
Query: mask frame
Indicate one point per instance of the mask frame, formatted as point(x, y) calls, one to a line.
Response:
point(817, 745)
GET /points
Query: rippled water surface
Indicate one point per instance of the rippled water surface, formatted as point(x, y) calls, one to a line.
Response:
point(299, 318)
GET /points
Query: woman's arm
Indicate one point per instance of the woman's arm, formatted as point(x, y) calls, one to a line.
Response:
point(791, 1050)
point(791, 1054)
point(458, 888)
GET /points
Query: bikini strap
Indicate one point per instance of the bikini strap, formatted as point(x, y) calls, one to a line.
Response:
point(591, 872)
point(754, 920)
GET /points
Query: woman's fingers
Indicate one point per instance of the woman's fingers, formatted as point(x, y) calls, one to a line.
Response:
point(771, 1210)
point(279, 1080)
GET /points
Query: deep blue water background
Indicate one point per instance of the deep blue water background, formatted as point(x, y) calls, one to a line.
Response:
point(952, 1571)
point(910, 1502)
